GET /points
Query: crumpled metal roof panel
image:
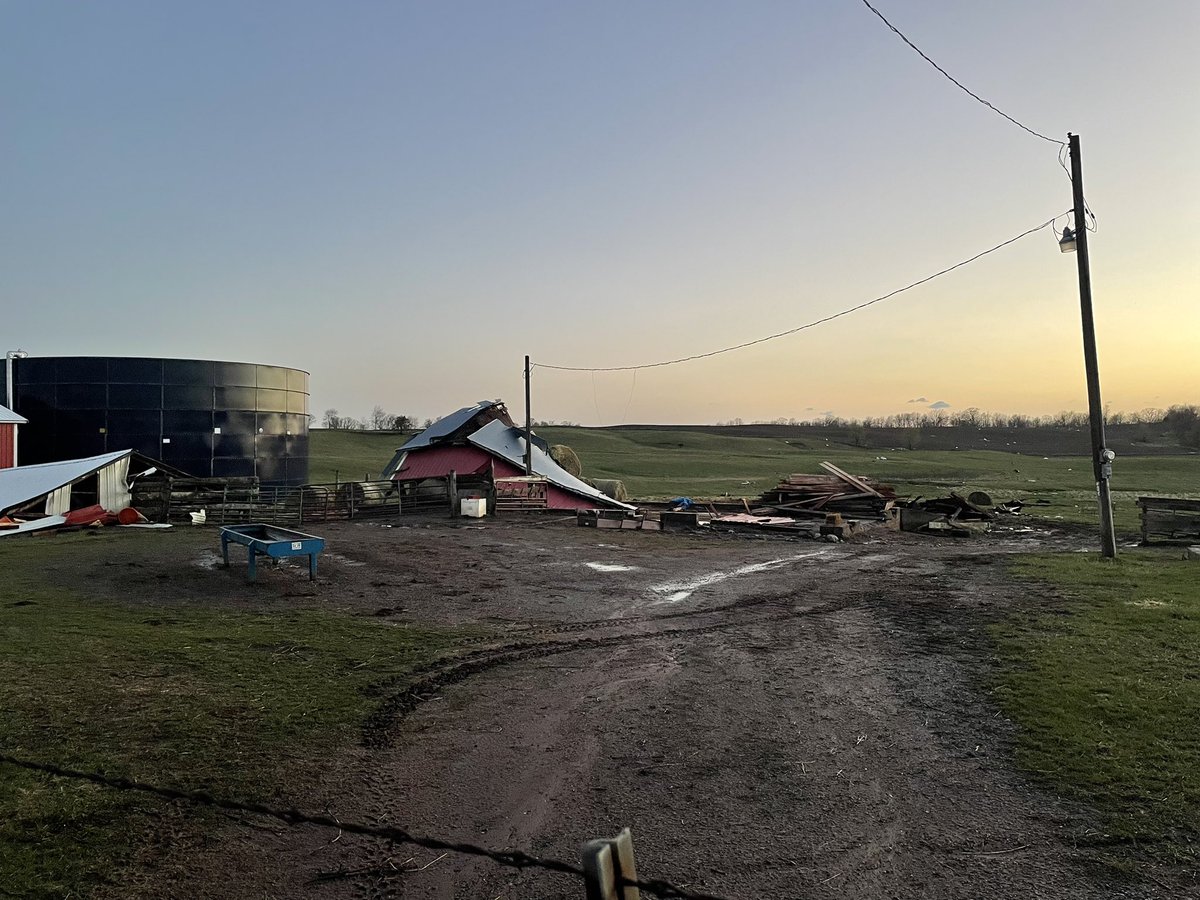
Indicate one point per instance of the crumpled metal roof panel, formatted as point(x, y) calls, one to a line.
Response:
point(25, 483)
point(508, 443)
point(447, 425)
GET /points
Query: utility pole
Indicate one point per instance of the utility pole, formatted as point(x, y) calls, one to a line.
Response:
point(528, 425)
point(1102, 457)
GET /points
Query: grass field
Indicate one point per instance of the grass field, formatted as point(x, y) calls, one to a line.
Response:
point(662, 464)
point(225, 699)
point(1105, 690)
point(1103, 686)
point(348, 455)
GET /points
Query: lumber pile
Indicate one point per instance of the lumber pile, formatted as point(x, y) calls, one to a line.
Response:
point(835, 491)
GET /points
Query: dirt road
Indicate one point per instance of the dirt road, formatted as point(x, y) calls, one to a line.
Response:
point(772, 719)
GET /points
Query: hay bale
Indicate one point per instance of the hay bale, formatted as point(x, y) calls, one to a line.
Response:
point(612, 487)
point(567, 458)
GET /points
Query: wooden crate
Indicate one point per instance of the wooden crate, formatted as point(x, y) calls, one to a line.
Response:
point(1169, 519)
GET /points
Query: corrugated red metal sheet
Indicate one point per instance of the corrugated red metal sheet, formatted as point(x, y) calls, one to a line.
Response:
point(437, 462)
point(6, 446)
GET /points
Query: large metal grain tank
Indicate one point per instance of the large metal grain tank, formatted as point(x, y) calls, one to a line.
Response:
point(207, 417)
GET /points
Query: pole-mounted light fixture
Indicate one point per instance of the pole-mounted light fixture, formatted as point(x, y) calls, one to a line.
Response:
point(1067, 242)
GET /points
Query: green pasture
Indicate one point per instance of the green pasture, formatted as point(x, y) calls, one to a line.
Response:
point(1102, 680)
point(237, 702)
point(658, 465)
point(349, 455)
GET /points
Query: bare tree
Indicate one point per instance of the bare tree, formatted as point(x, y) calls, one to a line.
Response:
point(380, 420)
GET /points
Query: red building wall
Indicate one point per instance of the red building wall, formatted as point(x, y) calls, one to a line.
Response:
point(7, 446)
point(436, 462)
point(556, 497)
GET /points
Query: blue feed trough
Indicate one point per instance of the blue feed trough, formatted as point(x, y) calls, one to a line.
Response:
point(271, 541)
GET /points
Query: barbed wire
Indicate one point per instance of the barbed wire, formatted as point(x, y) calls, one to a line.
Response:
point(514, 859)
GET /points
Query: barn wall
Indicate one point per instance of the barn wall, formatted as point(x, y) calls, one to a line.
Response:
point(7, 433)
point(556, 497)
point(436, 462)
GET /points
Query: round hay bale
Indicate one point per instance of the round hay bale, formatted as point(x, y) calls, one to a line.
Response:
point(612, 487)
point(979, 498)
point(567, 458)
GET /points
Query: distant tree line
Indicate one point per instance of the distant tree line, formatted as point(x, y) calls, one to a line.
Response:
point(1181, 421)
point(379, 420)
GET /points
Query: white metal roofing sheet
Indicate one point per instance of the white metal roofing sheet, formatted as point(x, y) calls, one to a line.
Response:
point(25, 483)
point(509, 443)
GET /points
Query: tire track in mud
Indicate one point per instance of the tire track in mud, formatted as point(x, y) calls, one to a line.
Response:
point(420, 684)
point(377, 877)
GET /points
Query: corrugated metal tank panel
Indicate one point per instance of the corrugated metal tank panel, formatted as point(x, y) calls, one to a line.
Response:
point(206, 417)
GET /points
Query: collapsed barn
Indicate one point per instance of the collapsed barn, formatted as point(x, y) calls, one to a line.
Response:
point(484, 452)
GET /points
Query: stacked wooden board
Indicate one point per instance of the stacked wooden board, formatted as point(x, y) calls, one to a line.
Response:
point(834, 492)
point(1169, 519)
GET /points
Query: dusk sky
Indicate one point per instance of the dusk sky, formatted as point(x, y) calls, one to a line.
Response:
point(405, 198)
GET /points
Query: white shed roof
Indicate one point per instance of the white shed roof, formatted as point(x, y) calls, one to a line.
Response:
point(8, 417)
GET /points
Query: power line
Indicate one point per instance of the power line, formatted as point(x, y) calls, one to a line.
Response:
point(807, 325)
point(956, 82)
point(515, 859)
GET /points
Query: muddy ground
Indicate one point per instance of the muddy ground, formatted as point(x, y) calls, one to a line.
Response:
point(783, 719)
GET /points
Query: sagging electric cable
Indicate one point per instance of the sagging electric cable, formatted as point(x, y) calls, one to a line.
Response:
point(806, 325)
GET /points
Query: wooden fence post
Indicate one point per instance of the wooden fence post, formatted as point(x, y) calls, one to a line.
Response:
point(607, 864)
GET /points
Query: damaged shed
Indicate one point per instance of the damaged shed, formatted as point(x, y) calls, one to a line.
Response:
point(45, 495)
point(482, 445)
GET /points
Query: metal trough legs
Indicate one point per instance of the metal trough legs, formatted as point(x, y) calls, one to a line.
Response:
point(272, 542)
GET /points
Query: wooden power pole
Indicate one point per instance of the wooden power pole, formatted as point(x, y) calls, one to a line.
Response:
point(528, 425)
point(1102, 457)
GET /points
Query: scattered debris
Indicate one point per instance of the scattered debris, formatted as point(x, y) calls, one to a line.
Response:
point(615, 518)
point(92, 491)
point(953, 516)
point(816, 495)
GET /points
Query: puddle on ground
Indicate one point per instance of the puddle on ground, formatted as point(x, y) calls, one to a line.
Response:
point(208, 559)
point(608, 567)
point(353, 563)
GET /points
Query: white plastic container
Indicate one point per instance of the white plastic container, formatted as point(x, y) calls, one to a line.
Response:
point(473, 507)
